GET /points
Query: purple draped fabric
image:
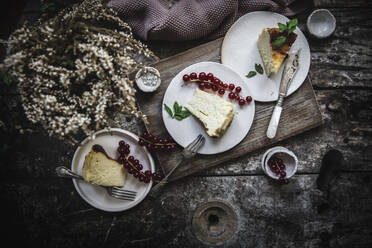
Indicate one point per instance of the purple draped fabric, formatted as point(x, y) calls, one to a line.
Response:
point(193, 19)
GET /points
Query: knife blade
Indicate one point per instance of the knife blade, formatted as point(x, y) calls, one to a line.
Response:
point(290, 69)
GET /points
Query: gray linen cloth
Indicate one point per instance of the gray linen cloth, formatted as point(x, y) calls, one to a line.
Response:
point(194, 19)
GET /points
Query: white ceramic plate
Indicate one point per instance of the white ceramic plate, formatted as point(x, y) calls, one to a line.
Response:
point(96, 195)
point(185, 131)
point(240, 52)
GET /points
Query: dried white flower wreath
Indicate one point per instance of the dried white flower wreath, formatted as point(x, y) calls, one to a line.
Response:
point(72, 70)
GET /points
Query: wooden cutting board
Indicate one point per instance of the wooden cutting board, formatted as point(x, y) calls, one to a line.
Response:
point(300, 113)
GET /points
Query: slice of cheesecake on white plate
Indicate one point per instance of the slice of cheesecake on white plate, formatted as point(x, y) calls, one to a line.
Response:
point(273, 58)
point(102, 170)
point(215, 113)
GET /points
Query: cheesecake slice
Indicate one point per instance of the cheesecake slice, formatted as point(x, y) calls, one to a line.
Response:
point(102, 170)
point(273, 58)
point(212, 111)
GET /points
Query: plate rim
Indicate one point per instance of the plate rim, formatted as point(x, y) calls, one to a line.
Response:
point(84, 142)
point(271, 13)
point(246, 85)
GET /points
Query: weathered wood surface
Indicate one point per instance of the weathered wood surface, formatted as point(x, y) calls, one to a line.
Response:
point(300, 113)
point(269, 215)
point(347, 116)
point(46, 211)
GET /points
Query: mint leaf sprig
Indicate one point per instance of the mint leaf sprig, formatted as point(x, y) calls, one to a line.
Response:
point(286, 30)
point(179, 113)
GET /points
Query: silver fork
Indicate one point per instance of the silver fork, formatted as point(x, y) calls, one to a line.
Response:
point(115, 192)
point(187, 153)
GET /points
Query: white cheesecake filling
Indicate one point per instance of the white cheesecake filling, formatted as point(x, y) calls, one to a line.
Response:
point(264, 47)
point(100, 170)
point(214, 112)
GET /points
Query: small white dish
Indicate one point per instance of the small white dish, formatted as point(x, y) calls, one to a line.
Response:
point(185, 131)
point(239, 51)
point(321, 23)
point(289, 159)
point(148, 79)
point(96, 195)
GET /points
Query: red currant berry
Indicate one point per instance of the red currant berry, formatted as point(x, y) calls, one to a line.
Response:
point(221, 91)
point(148, 173)
point(141, 178)
point(232, 96)
point(238, 89)
point(216, 81)
point(186, 77)
point(156, 176)
point(231, 87)
point(131, 158)
point(141, 142)
point(282, 173)
point(136, 174)
point(210, 76)
point(224, 86)
point(121, 149)
point(202, 76)
point(202, 86)
point(126, 151)
point(155, 139)
point(127, 165)
point(237, 98)
point(121, 159)
point(248, 98)
point(214, 87)
point(241, 102)
point(121, 143)
point(139, 166)
point(208, 86)
point(148, 146)
point(193, 75)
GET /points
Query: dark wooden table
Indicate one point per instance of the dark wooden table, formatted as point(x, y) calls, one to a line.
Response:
point(38, 208)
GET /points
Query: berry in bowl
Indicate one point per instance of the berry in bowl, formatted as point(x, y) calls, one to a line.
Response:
point(280, 164)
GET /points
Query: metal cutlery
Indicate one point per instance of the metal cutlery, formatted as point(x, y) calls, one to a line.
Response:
point(115, 192)
point(189, 152)
point(289, 71)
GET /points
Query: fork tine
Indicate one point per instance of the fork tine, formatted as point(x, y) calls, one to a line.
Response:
point(122, 198)
point(124, 190)
point(194, 142)
point(122, 193)
point(198, 144)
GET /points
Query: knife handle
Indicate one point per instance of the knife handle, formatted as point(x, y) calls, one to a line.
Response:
point(274, 122)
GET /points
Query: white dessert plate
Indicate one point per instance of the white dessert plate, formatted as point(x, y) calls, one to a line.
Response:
point(239, 51)
point(186, 130)
point(96, 195)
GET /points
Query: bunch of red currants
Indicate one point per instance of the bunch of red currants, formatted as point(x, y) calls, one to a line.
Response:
point(210, 82)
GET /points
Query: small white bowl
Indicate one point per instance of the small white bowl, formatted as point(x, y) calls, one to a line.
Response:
point(289, 159)
point(321, 23)
point(148, 79)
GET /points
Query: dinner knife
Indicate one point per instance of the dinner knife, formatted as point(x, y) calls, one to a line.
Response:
point(290, 69)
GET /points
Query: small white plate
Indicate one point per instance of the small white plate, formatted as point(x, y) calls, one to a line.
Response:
point(109, 140)
point(186, 130)
point(240, 52)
